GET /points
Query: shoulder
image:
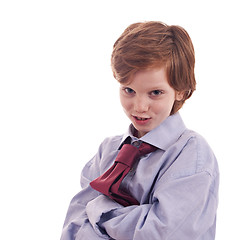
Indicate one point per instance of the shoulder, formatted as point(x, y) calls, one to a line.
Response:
point(189, 157)
point(196, 147)
point(111, 143)
point(108, 151)
point(102, 159)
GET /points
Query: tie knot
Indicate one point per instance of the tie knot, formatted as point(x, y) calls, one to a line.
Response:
point(146, 148)
point(127, 155)
point(130, 152)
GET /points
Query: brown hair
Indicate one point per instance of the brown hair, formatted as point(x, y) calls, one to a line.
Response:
point(155, 44)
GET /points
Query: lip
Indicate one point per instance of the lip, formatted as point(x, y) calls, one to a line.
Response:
point(141, 120)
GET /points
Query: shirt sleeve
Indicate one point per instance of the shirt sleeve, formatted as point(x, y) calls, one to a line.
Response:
point(183, 206)
point(77, 225)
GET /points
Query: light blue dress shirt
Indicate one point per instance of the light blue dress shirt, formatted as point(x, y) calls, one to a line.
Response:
point(177, 187)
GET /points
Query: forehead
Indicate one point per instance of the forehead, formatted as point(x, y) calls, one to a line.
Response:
point(149, 78)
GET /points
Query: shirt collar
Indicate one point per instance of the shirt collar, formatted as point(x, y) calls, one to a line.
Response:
point(164, 135)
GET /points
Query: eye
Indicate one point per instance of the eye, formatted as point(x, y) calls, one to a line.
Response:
point(128, 90)
point(156, 93)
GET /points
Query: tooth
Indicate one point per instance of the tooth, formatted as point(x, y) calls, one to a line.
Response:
point(138, 118)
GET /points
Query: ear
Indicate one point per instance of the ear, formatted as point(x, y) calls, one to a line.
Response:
point(179, 96)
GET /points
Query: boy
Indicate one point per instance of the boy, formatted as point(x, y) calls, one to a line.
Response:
point(170, 190)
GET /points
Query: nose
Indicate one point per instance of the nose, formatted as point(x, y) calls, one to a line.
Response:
point(141, 105)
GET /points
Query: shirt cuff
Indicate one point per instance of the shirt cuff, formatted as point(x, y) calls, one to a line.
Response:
point(97, 207)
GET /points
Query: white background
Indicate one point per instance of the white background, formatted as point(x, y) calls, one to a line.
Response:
point(59, 100)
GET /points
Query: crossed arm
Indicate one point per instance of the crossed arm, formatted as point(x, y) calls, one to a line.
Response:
point(182, 208)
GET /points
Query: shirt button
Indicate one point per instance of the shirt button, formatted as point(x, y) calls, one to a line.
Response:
point(137, 144)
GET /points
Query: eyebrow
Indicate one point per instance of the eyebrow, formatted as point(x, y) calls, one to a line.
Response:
point(156, 88)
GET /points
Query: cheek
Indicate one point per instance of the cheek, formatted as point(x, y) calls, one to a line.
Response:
point(157, 107)
point(126, 104)
point(162, 107)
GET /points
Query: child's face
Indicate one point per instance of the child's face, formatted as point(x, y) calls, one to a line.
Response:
point(148, 99)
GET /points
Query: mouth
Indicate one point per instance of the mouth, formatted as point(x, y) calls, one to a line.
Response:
point(141, 120)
